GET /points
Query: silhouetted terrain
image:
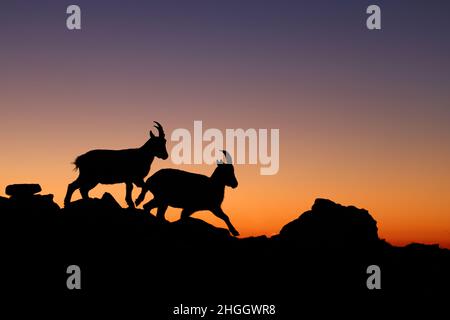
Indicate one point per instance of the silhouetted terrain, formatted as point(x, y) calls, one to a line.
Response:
point(127, 255)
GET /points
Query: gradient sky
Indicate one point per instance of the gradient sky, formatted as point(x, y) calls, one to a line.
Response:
point(364, 116)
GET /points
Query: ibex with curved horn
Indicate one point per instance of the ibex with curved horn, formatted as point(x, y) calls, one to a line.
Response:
point(191, 192)
point(128, 166)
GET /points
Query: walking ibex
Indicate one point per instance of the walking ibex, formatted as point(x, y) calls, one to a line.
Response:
point(117, 166)
point(191, 192)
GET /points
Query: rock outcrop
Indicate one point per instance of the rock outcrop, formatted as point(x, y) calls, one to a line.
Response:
point(331, 225)
point(25, 202)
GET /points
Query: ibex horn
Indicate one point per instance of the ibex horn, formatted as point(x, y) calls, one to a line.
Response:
point(228, 159)
point(160, 129)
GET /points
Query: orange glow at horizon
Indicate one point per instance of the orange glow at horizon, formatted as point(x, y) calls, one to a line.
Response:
point(409, 205)
point(364, 117)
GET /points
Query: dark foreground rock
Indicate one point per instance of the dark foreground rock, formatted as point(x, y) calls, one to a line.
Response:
point(126, 255)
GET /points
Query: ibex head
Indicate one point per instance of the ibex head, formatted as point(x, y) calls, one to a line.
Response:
point(225, 171)
point(158, 143)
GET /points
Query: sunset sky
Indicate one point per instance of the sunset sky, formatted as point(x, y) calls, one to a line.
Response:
point(364, 116)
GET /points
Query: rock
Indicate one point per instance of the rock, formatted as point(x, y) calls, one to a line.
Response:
point(110, 201)
point(22, 190)
point(196, 230)
point(195, 260)
point(4, 204)
point(332, 225)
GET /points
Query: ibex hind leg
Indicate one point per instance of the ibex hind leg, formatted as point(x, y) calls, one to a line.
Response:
point(150, 205)
point(141, 196)
point(161, 211)
point(85, 188)
point(186, 213)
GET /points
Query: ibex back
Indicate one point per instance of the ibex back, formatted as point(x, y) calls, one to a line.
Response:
point(128, 166)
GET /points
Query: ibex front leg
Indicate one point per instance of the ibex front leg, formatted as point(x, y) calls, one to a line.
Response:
point(144, 190)
point(128, 198)
point(70, 190)
point(218, 212)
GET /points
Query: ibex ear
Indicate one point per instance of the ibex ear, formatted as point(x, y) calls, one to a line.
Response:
point(151, 134)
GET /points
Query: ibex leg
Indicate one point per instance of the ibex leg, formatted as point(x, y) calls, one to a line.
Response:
point(150, 205)
point(70, 190)
point(128, 198)
point(220, 214)
point(186, 213)
point(85, 188)
point(141, 196)
point(161, 211)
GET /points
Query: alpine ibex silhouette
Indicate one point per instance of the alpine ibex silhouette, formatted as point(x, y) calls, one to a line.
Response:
point(117, 166)
point(191, 192)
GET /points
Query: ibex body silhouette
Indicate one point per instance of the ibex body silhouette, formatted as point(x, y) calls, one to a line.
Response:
point(191, 192)
point(128, 166)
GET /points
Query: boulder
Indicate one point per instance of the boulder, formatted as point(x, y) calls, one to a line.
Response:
point(331, 225)
point(22, 190)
